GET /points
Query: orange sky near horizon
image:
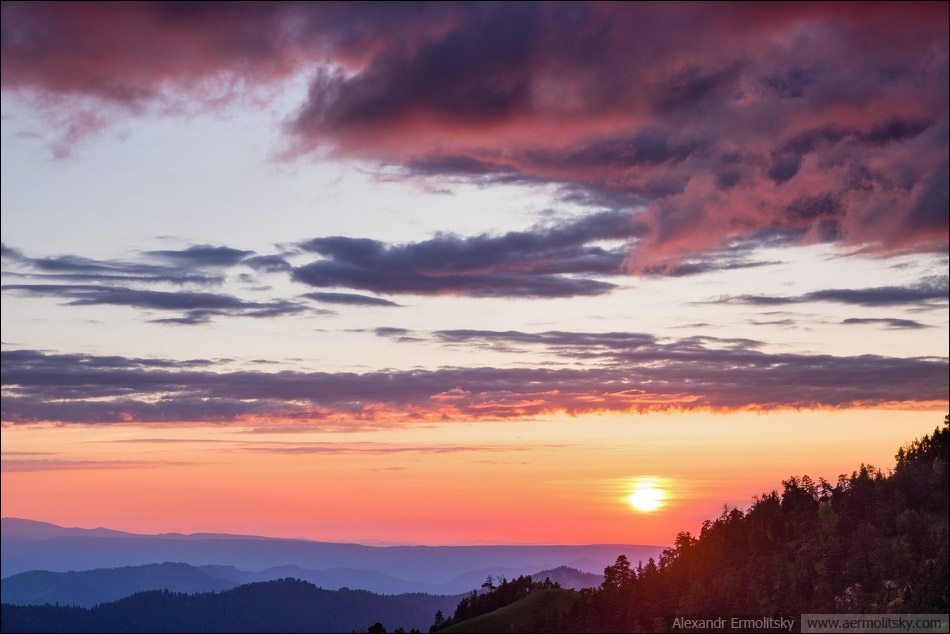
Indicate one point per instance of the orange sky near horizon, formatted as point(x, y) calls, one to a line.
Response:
point(464, 273)
point(452, 484)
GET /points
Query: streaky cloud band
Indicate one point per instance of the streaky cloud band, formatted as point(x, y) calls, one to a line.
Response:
point(620, 373)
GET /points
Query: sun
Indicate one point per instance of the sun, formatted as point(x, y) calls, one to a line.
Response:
point(646, 496)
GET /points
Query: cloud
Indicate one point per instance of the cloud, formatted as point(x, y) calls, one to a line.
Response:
point(113, 283)
point(928, 291)
point(891, 323)
point(100, 52)
point(370, 448)
point(575, 343)
point(203, 255)
point(268, 263)
point(57, 464)
point(710, 119)
point(9, 253)
point(198, 307)
point(707, 123)
point(558, 259)
point(77, 268)
point(605, 372)
point(140, 53)
point(387, 331)
point(563, 258)
point(542, 262)
point(351, 299)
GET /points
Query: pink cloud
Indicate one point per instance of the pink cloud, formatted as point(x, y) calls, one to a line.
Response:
point(711, 123)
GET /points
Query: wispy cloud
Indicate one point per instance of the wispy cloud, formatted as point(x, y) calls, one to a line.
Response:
point(197, 307)
point(203, 255)
point(931, 291)
point(889, 322)
point(60, 464)
point(349, 299)
point(74, 268)
point(371, 448)
point(80, 281)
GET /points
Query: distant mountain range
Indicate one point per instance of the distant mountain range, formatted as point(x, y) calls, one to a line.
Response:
point(214, 562)
point(93, 587)
point(285, 605)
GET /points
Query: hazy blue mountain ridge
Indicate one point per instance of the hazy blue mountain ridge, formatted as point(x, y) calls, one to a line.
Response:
point(415, 566)
point(92, 587)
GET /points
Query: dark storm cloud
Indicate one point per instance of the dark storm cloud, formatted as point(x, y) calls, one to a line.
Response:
point(621, 372)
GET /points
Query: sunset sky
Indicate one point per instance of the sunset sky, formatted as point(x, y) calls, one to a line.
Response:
point(464, 273)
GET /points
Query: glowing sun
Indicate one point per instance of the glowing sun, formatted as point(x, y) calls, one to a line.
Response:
point(646, 496)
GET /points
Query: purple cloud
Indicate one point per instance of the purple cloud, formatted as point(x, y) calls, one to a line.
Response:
point(620, 372)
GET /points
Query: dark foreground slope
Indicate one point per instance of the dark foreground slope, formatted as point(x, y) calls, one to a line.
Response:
point(285, 605)
point(541, 608)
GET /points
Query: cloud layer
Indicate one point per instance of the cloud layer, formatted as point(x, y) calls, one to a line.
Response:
point(175, 283)
point(600, 372)
point(932, 291)
point(554, 261)
point(709, 123)
point(564, 259)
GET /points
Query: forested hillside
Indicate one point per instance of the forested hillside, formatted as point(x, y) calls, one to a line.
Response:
point(285, 605)
point(872, 542)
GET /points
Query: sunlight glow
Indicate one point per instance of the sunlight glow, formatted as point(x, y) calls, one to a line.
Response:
point(647, 496)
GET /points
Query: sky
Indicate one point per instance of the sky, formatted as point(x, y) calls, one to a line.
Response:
point(450, 273)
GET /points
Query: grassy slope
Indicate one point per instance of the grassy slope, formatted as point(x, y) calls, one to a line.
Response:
point(518, 615)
